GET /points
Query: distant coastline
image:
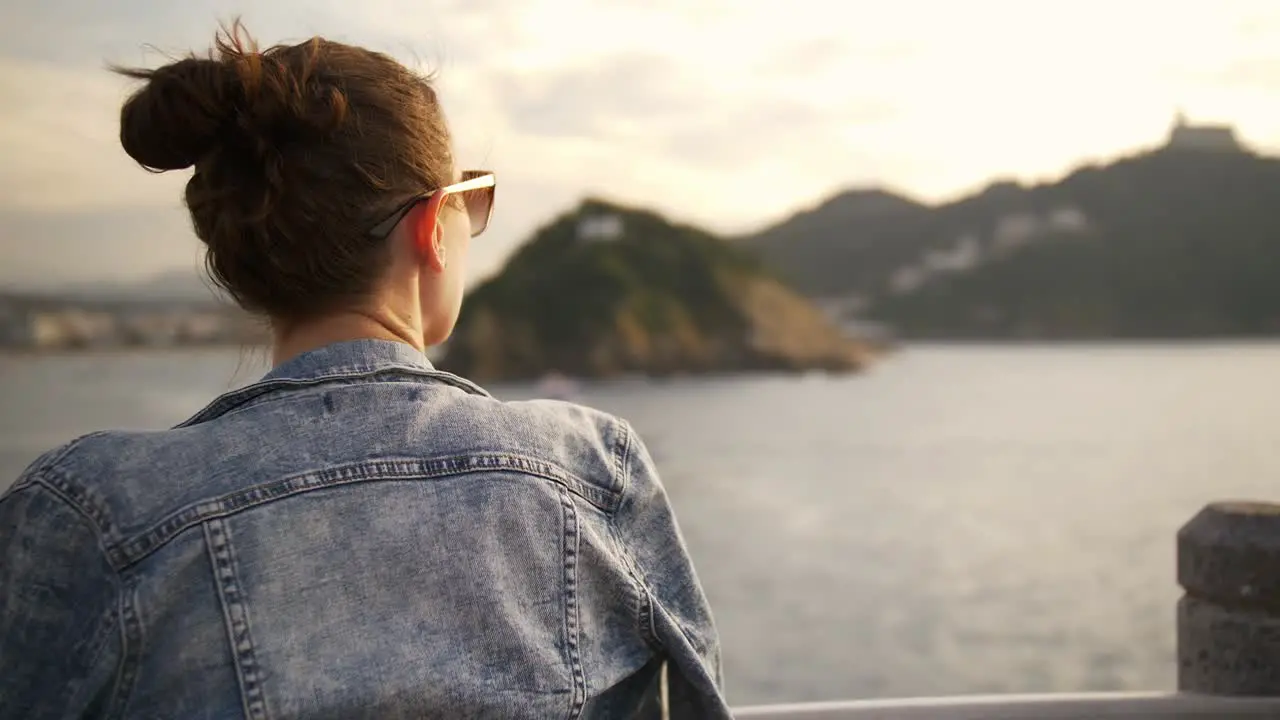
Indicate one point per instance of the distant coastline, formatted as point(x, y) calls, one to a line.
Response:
point(127, 350)
point(35, 324)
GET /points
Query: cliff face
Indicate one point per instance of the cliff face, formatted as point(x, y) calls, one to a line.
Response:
point(606, 291)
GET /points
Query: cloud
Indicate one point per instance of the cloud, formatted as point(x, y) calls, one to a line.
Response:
point(802, 133)
point(722, 112)
point(117, 243)
point(828, 50)
point(630, 89)
point(58, 135)
point(1260, 73)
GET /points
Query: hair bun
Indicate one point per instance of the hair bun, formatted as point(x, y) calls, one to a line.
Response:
point(179, 115)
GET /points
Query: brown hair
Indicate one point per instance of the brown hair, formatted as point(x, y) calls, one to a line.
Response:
point(297, 150)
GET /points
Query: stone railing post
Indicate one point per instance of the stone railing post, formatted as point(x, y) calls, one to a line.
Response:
point(1229, 616)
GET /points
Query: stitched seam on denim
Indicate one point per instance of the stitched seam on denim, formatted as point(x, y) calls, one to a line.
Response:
point(106, 622)
point(131, 640)
point(49, 462)
point(572, 618)
point(132, 550)
point(621, 451)
point(644, 600)
point(644, 605)
point(235, 614)
point(38, 482)
point(79, 498)
point(79, 502)
point(273, 397)
point(684, 633)
point(224, 403)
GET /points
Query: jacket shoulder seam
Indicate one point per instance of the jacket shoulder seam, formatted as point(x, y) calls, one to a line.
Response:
point(645, 622)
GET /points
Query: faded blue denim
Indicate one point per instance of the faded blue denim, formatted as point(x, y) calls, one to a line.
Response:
point(357, 535)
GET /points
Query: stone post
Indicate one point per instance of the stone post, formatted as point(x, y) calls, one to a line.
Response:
point(1229, 616)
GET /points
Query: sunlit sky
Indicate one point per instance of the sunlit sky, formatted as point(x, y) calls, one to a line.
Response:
point(726, 113)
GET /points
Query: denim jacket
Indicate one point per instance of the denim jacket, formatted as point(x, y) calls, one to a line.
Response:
point(357, 535)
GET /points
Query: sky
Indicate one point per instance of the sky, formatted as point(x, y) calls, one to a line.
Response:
point(730, 114)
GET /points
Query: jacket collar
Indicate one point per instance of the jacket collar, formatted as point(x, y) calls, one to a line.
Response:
point(352, 357)
point(336, 362)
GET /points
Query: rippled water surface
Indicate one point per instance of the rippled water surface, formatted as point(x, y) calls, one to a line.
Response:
point(961, 519)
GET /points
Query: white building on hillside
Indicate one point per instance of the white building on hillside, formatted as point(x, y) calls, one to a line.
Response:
point(600, 228)
point(1014, 230)
point(1069, 219)
point(964, 255)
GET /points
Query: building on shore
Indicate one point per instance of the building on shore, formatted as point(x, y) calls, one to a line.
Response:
point(54, 324)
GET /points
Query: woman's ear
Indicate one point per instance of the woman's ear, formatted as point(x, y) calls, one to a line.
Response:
point(428, 236)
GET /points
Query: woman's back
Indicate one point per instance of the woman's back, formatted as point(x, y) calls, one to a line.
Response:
point(357, 535)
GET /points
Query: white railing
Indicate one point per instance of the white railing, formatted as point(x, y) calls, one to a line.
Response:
point(1087, 706)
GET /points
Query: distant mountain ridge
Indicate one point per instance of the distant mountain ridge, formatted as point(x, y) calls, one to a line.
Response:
point(1181, 241)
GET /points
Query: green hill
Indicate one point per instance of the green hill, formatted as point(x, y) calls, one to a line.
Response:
point(1170, 243)
point(848, 243)
point(605, 290)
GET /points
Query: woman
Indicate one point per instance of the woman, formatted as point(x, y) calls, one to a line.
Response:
point(357, 535)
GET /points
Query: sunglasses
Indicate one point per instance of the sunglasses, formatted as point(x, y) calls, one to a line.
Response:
point(476, 188)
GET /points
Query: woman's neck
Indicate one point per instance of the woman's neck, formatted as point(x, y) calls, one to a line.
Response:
point(291, 341)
